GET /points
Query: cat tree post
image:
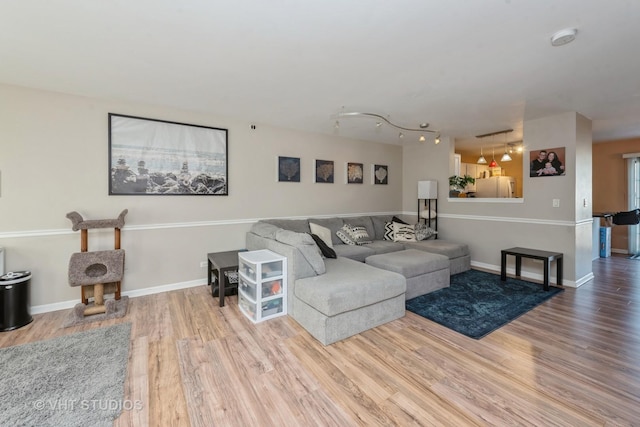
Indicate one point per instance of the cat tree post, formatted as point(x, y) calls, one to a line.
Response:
point(99, 271)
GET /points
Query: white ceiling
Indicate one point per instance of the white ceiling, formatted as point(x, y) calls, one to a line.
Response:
point(467, 67)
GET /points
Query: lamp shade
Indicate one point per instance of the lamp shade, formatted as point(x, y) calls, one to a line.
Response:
point(427, 189)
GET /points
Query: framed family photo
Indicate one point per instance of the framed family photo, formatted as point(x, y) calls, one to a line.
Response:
point(157, 157)
point(547, 162)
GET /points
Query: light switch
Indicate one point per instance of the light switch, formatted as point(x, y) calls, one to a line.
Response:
point(556, 203)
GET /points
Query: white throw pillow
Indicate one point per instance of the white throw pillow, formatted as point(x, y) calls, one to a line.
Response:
point(403, 233)
point(322, 232)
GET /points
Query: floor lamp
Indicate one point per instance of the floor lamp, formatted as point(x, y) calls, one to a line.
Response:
point(428, 191)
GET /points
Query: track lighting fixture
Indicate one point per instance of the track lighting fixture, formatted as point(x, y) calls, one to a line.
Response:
point(380, 120)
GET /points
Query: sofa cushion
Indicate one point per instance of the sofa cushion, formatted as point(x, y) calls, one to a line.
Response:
point(306, 245)
point(323, 232)
point(333, 224)
point(264, 229)
point(326, 251)
point(384, 246)
point(362, 221)
point(442, 247)
point(297, 225)
point(378, 225)
point(354, 252)
point(348, 285)
point(410, 263)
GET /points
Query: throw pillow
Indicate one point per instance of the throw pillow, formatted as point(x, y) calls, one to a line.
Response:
point(357, 233)
point(342, 235)
point(398, 220)
point(403, 233)
point(323, 232)
point(423, 232)
point(388, 231)
point(327, 252)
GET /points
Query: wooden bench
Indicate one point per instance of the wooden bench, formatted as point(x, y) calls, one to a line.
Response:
point(545, 256)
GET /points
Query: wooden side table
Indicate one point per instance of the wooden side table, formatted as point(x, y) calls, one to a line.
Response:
point(219, 264)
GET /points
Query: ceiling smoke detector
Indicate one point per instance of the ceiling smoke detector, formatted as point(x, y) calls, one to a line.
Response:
point(563, 37)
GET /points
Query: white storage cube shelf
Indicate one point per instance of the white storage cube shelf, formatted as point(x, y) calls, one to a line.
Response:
point(262, 285)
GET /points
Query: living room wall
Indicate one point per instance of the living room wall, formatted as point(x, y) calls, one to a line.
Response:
point(488, 226)
point(55, 160)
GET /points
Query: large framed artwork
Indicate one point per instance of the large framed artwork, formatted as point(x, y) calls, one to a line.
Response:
point(547, 162)
point(354, 173)
point(288, 169)
point(158, 157)
point(324, 171)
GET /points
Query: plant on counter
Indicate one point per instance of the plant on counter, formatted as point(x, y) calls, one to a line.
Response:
point(458, 183)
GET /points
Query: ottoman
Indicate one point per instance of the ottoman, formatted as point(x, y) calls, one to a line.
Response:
point(425, 272)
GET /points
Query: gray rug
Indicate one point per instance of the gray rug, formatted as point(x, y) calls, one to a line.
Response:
point(74, 380)
point(77, 317)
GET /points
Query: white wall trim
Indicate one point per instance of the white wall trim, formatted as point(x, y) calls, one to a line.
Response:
point(127, 228)
point(38, 309)
point(485, 200)
point(534, 276)
point(510, 219)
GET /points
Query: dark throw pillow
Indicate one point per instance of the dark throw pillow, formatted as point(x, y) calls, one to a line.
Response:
point(398, 220)
point(327, 252)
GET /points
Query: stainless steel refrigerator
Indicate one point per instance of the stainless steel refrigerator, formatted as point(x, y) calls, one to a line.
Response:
point(496, 187)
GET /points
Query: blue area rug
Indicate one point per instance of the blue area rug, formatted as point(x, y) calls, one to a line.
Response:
point(477, 303)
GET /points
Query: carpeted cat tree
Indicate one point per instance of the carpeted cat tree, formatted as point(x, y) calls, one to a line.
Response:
point(97, 272)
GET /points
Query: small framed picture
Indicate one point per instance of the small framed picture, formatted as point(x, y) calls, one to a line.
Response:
point(288, 169)
point(380, 174)
point(547, 162)
point(354, 173)
point(323, 171)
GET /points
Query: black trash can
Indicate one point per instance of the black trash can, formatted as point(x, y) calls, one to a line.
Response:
point(14, 300)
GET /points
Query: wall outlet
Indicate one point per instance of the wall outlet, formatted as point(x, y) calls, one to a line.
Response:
point(203, 264)
point(556, 203)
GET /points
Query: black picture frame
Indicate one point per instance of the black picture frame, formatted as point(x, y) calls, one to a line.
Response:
point(380, 174)
point(288, 169)
point(324, 171)
point(354, 173)
point(170, 158)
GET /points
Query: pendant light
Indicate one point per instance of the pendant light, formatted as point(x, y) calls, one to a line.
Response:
point(505, 157)
point(493, 163)
point(481, 160)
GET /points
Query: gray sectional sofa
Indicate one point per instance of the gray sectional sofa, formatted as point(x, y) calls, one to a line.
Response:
point(337, 298)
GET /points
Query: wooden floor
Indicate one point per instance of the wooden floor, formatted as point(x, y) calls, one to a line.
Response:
point(573, 361)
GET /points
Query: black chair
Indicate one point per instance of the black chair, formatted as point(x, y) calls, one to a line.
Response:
point(627, 218)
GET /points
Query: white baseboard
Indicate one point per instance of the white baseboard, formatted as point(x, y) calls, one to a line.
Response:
point(38, 309)
point(534, 276)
